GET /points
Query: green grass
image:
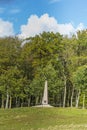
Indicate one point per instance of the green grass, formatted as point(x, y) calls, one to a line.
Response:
point(43, 119)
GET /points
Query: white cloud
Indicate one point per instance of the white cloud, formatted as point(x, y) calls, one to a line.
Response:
point(2, 10)
point(14, 11)
point(6, 28)
point(36, 25)
point(80, 27)
point(54, 1)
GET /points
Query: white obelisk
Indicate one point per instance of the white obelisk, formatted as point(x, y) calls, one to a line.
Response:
point(45, 94)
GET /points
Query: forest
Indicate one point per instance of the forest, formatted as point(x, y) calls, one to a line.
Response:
point(26, 64)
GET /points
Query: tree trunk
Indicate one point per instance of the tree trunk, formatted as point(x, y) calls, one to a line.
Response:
point(29, 100)
point(10, 102)
point(40, 99)
point(64, 99)
point(2, 106)
point(72, 97)
point(22, 102)
point(77, 99)
point(7, 101)
point(36, 102)
point(83, 101)
point(16, 101)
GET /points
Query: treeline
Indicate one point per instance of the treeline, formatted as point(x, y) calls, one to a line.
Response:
point(25, 65)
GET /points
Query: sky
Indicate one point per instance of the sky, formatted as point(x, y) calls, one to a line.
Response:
point(26, 18)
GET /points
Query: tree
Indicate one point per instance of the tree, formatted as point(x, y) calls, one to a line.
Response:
point(80, 81)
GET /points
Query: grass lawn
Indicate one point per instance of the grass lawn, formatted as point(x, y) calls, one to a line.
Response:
point(43, 119)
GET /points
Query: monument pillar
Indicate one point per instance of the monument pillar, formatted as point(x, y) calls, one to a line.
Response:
point(45, 94)
point(45, 97)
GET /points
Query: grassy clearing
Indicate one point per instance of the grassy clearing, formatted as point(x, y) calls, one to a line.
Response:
point(43, 119)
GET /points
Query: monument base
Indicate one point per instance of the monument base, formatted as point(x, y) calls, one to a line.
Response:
point(46, 105)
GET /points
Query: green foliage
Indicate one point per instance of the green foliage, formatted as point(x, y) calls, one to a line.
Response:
point(80, 77)
point(60, 60)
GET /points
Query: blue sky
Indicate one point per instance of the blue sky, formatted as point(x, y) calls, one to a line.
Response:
point(30, 17)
